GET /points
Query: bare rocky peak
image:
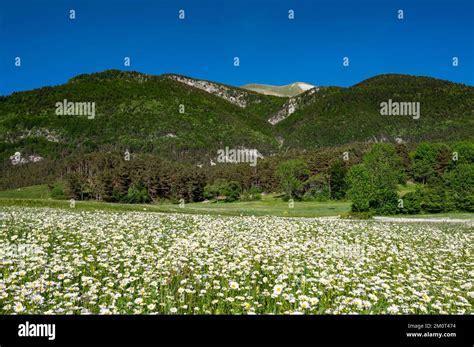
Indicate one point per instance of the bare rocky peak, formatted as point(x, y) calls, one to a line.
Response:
point(289, 90)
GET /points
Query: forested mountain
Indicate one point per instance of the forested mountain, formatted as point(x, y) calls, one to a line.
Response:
point(343, 115)
point(155, 114)
point(178, 117)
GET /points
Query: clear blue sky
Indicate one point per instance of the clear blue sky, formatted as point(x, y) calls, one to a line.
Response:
point(272, 49)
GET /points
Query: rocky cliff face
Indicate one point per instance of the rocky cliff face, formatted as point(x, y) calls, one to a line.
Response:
point(240, 97)
point(291, 106)
point(234, 96)
point(17, 159)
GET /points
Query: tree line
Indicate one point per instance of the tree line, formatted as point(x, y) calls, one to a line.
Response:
point(366, 174)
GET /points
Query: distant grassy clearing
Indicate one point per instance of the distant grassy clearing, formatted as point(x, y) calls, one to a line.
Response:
point(406, 188)
point(39, 196)
point(268, 206)
point(33, 192)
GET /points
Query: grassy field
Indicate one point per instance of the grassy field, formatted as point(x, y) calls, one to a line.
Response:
point(33, 192)
point(270, 205)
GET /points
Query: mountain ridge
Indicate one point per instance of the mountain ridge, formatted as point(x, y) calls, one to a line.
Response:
point(289, 90)
point(176, 115)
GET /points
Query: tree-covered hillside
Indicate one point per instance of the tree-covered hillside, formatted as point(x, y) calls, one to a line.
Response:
point(177, 117)
point(343, 115)
point(134, 111)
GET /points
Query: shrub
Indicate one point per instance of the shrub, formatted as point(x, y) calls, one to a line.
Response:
point(74, 184)
point(360, 188)
point(292, 174)
point(317, 188)
point(465, 153)
point(411, 203)
point(137, 194)
point(337, 178)
point(460, 185)
point(228, 190)
point(430, 160)
point(57, 192)
point(384, 166)
point(384, 201)
point(433, 202)
point(366, 195)
point(118, 196)
point(211, 191)
point(435, 199)
point(231, 191)
point(251, 194)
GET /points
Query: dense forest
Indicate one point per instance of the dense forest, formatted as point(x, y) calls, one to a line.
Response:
point(367, 175)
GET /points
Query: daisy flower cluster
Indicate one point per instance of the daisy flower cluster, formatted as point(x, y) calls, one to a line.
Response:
point(97, 262)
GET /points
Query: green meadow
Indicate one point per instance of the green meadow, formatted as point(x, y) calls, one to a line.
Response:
point(269, 205)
